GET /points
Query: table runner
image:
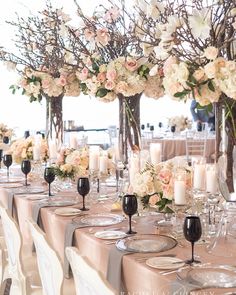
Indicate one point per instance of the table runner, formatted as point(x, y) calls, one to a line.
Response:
point(114, 269)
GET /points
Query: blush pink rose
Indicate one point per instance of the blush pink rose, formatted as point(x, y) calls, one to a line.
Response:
point(111, 75)
point(112, 14)
point(110, 85)
point(84, 74)
point(102, 36)
point(165, 176)
point(154, 199)
point(131, 64)
point(89, 35)
point(62, 80)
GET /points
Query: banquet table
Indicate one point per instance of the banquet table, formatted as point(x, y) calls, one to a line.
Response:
point(137, 277)
point(176, 146)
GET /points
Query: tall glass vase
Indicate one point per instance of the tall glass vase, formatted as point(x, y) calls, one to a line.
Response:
point(226, 156)
point(54, 118)
point(129, 124)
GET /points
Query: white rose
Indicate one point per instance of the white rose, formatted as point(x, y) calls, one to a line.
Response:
point(211, 52)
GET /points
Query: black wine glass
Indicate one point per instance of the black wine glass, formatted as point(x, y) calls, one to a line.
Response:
point(172, 129)
point(83, 188)
point(192, 232)
point(7, 161)
point(5, 139)
point(142, 127)
point(199, 126)
point(130, 206)
point(160, 124)
point(1, 152)
point(26, 168)
point(151, 128)
point(49, 176)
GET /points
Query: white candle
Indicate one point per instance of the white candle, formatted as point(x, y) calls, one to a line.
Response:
point(103, 163)
point(199, 176)
point(179, 192)
point(73, 142)
point(94, 158)
point(211, 180)
point(36, 152)
point(134, 168)
point(223, 133)
point(155, 153)
point(52, 150)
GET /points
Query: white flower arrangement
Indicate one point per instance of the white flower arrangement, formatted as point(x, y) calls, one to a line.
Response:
point(180, 122)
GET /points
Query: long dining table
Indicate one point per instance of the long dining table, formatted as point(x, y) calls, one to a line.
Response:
point(137, 277)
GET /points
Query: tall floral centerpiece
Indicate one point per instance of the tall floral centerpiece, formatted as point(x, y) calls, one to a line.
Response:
point(112, 66)
point(195, 42)
point(42, 63)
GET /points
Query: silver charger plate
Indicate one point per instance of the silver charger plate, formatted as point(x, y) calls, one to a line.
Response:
point(146, 243)
point(29, 190)
point(212, 277)
point(102, 219)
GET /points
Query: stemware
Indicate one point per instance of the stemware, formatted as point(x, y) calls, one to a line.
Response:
point(172, 129)
point(192, 231)
point(5, 139)
point(130, 206)
point(26, 168)
point(7, 161)
point(160, 125)
point(83, 188)
point(49, 176)
point(1, 152)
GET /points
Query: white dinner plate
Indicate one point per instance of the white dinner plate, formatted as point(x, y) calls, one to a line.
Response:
point(67, 211)
point(110, 234)
point(165, 262)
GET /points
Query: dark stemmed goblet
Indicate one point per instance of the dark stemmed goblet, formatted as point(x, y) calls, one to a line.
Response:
point(130, 206)
point(26, 168)
point(7, 161)
point(1, 152)
point(192, 232)
point(172, 129)
point(49, 176)
point(142, 127)
point(83, 188)
point(160, 124)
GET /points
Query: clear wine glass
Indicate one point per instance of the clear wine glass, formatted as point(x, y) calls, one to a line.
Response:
point(192, 232)
point(26, 168)
point(83, 188)
point(130, 206)
point(7, 161)
point(49, 176)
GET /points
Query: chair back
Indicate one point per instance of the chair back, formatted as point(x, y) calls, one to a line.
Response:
point(50, 268)
point(14, 244)
point(87, 280)
point(195, 144)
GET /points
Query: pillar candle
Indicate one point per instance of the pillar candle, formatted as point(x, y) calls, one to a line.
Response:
point(36, 152)
point(211, 180)
point(199, 176)
point(103, 163)
point(73, 141)
point(179, 192)
point(52, 149)
point(94, 158)
point(134, 167)
point(155, 153)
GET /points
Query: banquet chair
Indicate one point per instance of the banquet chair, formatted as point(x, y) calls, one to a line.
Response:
point(50, 267)
point(20, 268)
point(87, 280)
point(195, 145)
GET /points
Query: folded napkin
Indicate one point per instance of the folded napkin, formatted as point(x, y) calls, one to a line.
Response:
point(114, 268)
point(10, 199)
point(35, 212)
point(69, 233)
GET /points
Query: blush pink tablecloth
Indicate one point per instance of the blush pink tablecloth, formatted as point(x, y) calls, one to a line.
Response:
point(138, 278)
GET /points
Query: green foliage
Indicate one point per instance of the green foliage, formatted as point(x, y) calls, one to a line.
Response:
point(143, 71)
point(102, 92)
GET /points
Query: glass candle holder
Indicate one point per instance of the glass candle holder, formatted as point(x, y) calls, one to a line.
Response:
point(199, 173)
point(180, 188)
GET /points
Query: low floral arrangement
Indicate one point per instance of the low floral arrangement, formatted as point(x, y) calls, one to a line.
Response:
point(123, 75)
point(154, 185)
point(72, 163)
point(180, 122)
point(5, 131)
point(23, 149)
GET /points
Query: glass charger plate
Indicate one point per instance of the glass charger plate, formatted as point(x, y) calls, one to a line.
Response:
point(211, 276)
point(29, 190)
point(59, 202)
point(110, 234)
point(11, 179)
point(102, 219)
point(11, 184)
point(146, 243)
